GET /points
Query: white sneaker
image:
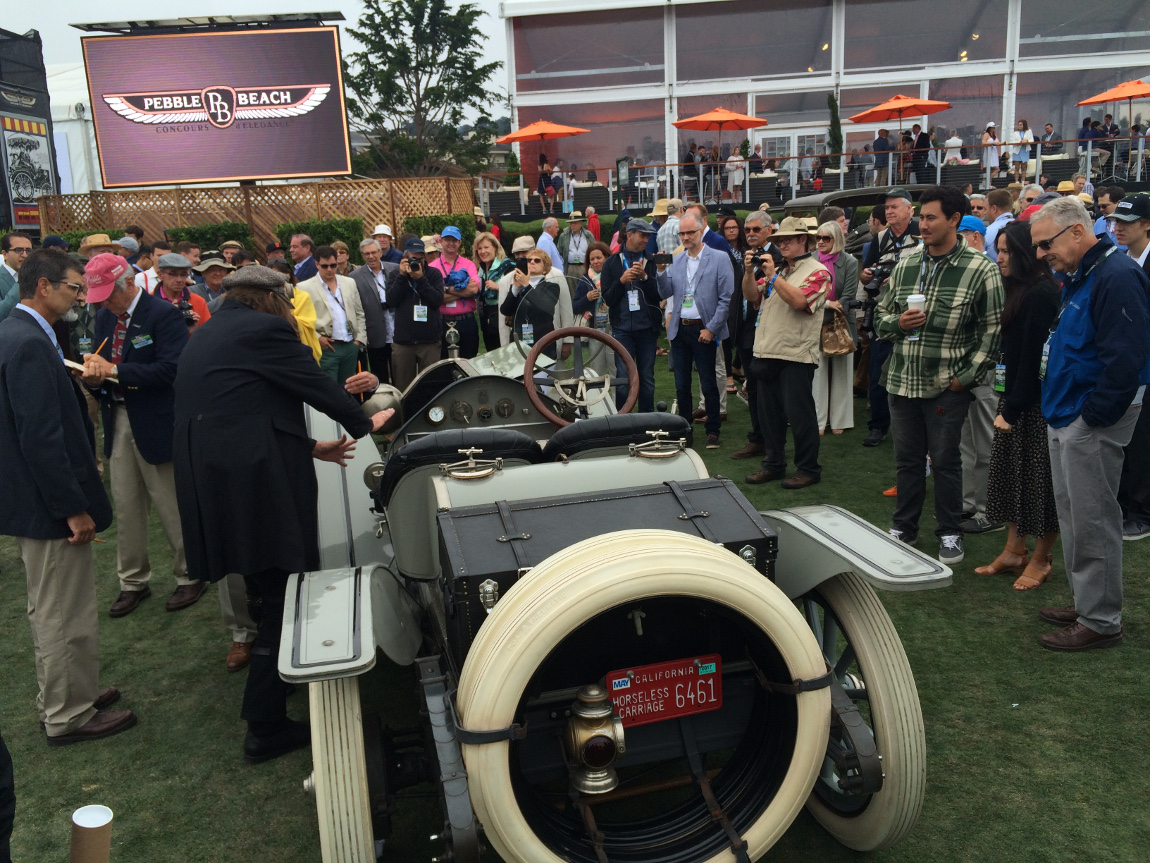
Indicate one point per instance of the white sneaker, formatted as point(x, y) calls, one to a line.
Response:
point(950, 549)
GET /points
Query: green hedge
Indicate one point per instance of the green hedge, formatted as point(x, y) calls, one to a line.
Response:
point(212, 236)
point(324, 232)
point(73, 238)
point(423, 226)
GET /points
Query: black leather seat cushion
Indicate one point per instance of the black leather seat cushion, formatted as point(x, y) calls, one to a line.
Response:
point(614, 431)
point(442, 447)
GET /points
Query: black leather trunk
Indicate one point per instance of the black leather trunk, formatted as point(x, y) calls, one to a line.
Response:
point(486, 549)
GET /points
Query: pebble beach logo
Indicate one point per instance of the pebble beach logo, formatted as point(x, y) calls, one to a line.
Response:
point(219, 105)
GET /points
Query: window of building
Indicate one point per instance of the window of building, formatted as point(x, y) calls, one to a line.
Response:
point(916, 32)
point(617, 129)
point(1052, 27)
point(588, 49)
point(1052, 97)
point(752, 38)
point(975, 102)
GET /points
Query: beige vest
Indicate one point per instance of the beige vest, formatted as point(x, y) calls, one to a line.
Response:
point(790, 334)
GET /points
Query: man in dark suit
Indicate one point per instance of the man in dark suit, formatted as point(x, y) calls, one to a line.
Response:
point(247, 488)
point(14, 248)
point(1131, 218)
point(371, 279)
point(700, 284)
point(301, 249)
point(1051, 145)
point(920, 142)
point(141, 336)
point(53, 502)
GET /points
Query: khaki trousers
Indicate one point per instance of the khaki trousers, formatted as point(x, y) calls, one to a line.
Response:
point(94, 416)
point(409, 360)
point(136, 487)
point(234, 608)
point(65, 639)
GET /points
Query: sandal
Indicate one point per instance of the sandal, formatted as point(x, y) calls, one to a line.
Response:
point(1001, 565)
point(1032, 576)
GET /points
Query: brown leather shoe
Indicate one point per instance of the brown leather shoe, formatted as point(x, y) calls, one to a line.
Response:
point(186, 595)
point(104, 724)
point(699, 414)
point(749, 451)
point(127, 601)
point(106, 697)
point(1079, 637)
point(800, 480)
point(1059, 615)
point(761, 476)
point(239, 656)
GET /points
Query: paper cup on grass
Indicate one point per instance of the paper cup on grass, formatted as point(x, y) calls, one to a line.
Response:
point(91, 834)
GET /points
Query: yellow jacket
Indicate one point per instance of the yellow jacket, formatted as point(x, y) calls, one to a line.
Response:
point(304, 311)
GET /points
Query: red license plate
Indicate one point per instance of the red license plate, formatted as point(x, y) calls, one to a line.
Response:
point(667, 690)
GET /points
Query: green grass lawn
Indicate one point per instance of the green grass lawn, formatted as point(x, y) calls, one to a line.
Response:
point(1032, 755)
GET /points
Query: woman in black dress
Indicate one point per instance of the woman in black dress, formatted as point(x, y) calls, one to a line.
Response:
point(1020, 491)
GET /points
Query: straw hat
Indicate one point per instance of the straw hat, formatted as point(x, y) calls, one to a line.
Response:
point(93, 241)
point(1065, 186)
point(794, 226)
point(660, 208)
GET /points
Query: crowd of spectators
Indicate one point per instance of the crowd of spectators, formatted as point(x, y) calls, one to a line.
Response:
point(1002, 341)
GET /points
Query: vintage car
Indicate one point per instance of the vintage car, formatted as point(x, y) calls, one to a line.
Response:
point(618, 658)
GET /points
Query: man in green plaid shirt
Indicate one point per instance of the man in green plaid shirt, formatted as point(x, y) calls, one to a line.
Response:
point(929, 378)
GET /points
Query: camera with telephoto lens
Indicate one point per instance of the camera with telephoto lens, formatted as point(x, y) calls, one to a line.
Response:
point(880, 272)
point(189, 314)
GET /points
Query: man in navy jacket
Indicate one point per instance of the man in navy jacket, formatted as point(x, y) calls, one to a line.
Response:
point(1095, 370)
point(141, 337)
point(54, 503)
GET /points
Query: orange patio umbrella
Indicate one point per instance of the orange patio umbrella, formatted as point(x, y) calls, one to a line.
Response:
point(718, 120)
point(541, 130)
point(898, 107)
point(1128, 90)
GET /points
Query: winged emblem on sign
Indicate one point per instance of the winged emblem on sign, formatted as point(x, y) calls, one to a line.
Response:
point(219, 105)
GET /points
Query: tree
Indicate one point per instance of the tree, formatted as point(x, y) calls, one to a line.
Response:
point(512, 178)
point(835, 132)
point(410, 86)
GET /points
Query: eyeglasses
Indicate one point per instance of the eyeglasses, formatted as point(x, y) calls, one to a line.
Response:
point(22, 250)
point(535, 260)
point(76, 288)
point(327, 266)
point(751, 229)
point(689, 233)
point(1045, 244)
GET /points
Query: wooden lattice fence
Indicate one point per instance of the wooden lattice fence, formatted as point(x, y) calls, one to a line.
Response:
point(261, 207)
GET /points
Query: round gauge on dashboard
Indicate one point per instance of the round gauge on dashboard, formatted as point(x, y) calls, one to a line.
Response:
point(505, 408)
point(485, 413)
point(461, 412)
point(436, 414)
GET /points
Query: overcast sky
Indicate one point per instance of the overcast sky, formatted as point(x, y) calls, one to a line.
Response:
point(62, 42)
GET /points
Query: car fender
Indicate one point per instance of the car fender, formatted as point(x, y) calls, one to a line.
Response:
point(819, 542)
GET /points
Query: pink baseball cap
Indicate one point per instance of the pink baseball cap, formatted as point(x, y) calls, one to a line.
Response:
point(102, 272)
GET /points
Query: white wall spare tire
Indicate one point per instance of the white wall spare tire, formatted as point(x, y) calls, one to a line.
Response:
point(553, 603)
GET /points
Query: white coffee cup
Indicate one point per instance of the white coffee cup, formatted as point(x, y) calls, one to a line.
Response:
point(918, 303)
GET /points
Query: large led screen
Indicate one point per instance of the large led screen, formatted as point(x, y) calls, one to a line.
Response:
point(202, 107)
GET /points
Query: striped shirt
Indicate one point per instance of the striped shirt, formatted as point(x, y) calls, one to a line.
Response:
point(964, 297)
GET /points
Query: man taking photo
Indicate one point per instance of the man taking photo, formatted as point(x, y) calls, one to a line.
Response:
point(414, 295)
point(788, 340)
point(937, 355)
point(630, 291)
point(897, 240)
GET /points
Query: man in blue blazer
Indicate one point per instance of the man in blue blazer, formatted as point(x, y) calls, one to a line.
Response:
point(54, 503)
point(700, 283)
point(141, 336)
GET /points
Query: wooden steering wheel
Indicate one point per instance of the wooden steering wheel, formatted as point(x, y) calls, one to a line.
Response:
point(572, 388)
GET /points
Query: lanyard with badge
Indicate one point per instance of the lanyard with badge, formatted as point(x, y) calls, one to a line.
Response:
point(577, 248)
point(689, 293)
point(419, 310)
point(346, 320)
point(632, 293)
point(1046, 345)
